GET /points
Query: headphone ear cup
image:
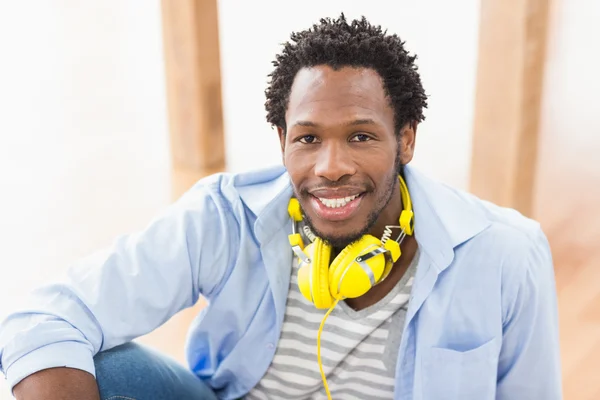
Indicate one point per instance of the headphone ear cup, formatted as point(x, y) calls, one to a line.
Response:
point(347, 278)
point(313, 279)
point(320, 274)
point(304, 281)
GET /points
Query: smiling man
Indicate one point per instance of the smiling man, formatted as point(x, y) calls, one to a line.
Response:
point(345, 273)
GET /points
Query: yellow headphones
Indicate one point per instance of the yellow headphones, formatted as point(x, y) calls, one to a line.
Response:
point(357, 268)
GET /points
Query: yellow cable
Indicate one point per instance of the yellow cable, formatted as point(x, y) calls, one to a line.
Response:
point(319, 348)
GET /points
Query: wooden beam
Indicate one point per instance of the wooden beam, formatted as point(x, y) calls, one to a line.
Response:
point(512, 45)
point(193, 77)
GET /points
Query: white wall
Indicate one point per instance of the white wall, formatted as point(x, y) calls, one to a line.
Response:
point(83, 131)
point(83, 134)
point(442, 33)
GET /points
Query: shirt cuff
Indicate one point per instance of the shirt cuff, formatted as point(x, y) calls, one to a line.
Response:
point(63, 354)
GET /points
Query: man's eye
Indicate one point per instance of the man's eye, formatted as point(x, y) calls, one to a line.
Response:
point(308, 139)
point(361, 137)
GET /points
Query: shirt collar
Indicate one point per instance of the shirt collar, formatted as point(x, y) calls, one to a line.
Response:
point(267, 198)
point(444, 217)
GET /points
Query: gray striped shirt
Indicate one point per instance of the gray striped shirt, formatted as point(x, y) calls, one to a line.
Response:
point(358, 348)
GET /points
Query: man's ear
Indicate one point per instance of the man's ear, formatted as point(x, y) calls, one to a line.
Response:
point(281, 133)
point(406, 141)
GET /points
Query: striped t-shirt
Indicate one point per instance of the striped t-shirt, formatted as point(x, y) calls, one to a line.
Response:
point(358, 348)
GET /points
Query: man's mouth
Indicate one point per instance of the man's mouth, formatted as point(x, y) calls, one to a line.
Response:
point(337, 202)
point(336, 208)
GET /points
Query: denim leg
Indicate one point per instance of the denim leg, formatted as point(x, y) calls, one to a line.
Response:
point(134, 372)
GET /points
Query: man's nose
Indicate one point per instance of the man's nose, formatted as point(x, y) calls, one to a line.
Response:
point(334, 162)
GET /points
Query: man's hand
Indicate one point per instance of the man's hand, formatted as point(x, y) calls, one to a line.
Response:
point(58, 383)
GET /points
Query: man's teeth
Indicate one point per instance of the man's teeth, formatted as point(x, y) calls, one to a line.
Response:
point(335, 203)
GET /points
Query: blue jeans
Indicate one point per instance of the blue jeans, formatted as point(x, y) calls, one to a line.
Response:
point(134, 372)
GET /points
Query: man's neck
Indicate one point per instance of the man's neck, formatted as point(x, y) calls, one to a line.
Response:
point(390, 215)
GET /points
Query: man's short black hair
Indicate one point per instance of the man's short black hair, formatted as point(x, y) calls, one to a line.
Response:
point(337, 43)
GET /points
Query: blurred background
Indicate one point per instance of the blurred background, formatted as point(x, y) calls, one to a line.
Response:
point(110, 109)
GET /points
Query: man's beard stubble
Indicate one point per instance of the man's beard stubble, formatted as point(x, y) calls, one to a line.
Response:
point(341, 241)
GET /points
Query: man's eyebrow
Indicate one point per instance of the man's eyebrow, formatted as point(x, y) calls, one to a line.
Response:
point(361, 121)
point(309, 124)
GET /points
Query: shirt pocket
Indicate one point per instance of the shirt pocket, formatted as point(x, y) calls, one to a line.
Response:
point(450, 374)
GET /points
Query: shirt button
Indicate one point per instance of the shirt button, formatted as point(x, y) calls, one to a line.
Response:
point(270, 346)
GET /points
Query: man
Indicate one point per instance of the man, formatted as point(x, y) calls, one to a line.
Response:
point(455, 301)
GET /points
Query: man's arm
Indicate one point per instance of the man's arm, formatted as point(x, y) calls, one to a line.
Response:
point(122, 292)
point(529, 367)
point(58, 384)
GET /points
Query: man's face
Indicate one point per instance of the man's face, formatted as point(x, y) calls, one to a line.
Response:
point(342, 153)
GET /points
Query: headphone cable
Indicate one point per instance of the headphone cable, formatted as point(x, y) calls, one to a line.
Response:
point(319, 348)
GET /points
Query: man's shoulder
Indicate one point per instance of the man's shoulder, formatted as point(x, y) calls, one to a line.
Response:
point(239, 180)
point(466, 216)
point(505, 220)
point(253, 189)
point(509, 245)
point(510, 236)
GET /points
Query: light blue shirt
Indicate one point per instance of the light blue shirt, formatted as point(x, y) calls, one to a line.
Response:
point(482, 321)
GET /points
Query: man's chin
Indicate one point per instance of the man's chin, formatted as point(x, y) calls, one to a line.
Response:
point(335, 240)
point(330, 231)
